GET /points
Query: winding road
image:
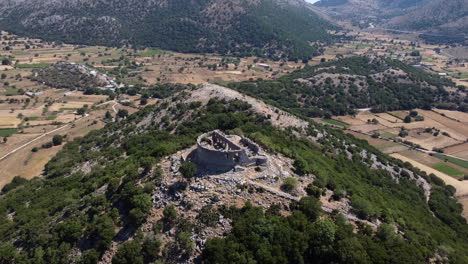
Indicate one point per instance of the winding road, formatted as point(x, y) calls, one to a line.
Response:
point(55, 130)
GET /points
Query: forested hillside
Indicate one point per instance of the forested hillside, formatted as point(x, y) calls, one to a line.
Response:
point(104, 182)
point(340, 87)
point(443, 19)
point(272, 28)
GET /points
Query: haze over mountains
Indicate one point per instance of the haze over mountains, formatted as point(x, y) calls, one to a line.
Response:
point(272, 28)
point(434, 16)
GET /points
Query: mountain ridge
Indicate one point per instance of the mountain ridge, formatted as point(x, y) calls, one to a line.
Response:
point(272, 28)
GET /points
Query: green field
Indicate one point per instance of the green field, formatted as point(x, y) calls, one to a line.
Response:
point(362, 46)
point(7, 132)
point(461, 76)
point(10, 91)
point(395, 115)
point(151, 52)
point(387, 135)
point(256, 69)
point(60, 91)
point(335, 122)
point(449, 170)
point(51, 117)
point(31, 66)
point(68, 109)
point(20, 53)
point(456, 161)
point(32, 118)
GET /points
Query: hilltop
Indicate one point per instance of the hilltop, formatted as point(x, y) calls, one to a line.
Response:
point(127, 194)
point(341, 87)
point(268, 28)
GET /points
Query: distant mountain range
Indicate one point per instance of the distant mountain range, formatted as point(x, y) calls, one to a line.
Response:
point(272, 28)
point(439, 18)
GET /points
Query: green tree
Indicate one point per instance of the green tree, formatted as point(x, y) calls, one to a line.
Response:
point(7, 253)
point(311, 207)
point(407, 119)
point(57, 140)
point(150, 248)
point(129, 253)
point(108, 115)
point(122, 113)
point(170, 215)
point(81, 111)
point(90, 257)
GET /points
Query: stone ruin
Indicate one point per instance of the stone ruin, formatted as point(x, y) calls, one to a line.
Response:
point(217, 151)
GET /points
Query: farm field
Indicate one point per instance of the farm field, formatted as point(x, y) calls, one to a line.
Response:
point(441, 130)
point(449, 170)
point(436, 131)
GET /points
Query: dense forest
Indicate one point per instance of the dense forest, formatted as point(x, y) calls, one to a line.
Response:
point(267, 28)
point(71, 213)
point(340, 87)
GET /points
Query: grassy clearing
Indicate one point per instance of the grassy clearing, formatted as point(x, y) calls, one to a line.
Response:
point(449, 170)
point(9, 92)
point(58, 52)
point(51, 117)
point(256, 69)
point(456, 161)
point(31, 66)
point(335, 122)
point(388, 135)
point(151, 52)
point(20, 53)
point(32, 118)
point(7, 132)
point(60, 91)
point(362, 46)
point(461, 76)
point(394, 115)
point(68, 109)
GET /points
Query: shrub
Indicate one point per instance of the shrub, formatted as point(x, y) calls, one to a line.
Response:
point(188, 169)
point(289, 184)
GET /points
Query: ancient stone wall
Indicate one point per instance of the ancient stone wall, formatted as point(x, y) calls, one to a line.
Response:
point(217, 151)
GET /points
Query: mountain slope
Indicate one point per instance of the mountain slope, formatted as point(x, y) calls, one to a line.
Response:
point(362, 8)
point(438, 16)
point(272, 28)
point(441, 19)
point(340, 87)
point(118, 193)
